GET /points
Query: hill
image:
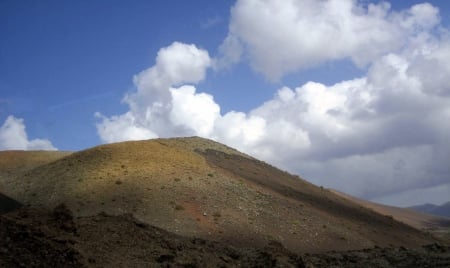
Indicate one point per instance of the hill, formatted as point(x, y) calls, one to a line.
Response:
point(442, 210)
point(13, 163)
point(199, 188)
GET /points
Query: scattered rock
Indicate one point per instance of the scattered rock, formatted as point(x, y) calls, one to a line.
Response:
point(38, 238)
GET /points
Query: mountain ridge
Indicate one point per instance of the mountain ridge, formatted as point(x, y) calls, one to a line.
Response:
point(438, 210)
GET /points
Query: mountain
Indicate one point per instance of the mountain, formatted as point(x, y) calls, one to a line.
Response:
point(442, 210)
point(199, 188)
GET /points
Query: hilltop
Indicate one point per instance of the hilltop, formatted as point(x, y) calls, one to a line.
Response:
point(199, 188)
point(17, 162)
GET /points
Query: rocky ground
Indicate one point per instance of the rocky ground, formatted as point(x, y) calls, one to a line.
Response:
point(195, 187)
point(31, 237)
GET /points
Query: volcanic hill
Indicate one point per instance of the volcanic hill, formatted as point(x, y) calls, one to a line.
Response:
point(195, 187)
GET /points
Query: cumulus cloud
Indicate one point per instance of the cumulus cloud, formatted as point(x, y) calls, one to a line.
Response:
point(157, 107)
point(371, 136)
point(14, 137)
point(280, 37)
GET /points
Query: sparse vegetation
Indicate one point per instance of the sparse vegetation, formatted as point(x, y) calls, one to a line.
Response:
point(248, 201)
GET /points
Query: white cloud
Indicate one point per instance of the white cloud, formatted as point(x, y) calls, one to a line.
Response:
point(281, 37)
point(14, 137)
point(122, 128)
point(371, 136)
point(194, 111)
point(156, 108)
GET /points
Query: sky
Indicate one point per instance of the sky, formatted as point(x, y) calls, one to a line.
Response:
point(351, 95)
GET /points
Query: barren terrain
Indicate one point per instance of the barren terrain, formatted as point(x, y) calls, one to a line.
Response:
point(32, 237)
point(201, 190)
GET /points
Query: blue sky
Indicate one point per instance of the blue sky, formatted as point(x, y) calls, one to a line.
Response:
point(66, 66)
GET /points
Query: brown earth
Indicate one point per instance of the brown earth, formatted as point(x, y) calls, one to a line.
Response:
point(436, 225)
point(201, 189)
point(33, 237)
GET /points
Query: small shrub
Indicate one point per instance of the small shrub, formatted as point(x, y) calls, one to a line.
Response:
point(118, 182)
point(179, 207)
point(210, 175)
point(177, 179)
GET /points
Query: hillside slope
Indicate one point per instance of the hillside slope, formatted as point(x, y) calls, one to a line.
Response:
point(13, 163)
point(199, 188)
point(416, 219)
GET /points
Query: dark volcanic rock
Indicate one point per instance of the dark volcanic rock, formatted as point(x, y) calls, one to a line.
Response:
point(434, 255)
point(30, 238)
point(8, 204)
point(38, 238)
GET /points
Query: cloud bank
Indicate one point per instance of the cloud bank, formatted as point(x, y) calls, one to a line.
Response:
point(280, 37)
point(373, 136)
point(14, 137)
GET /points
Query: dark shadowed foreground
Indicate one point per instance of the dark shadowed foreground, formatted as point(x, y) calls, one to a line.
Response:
point(31, 237)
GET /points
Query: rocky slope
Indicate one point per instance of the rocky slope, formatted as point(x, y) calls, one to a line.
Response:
point(417, 219)
point(32, 237)
point(198, 188)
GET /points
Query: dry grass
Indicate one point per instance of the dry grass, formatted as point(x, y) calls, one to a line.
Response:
point(13, 163)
